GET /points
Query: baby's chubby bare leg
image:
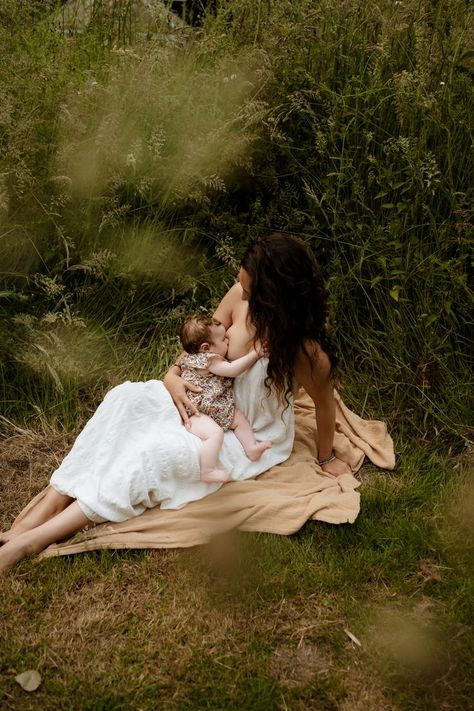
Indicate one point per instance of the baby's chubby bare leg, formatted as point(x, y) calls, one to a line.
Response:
point(244, 434)
point(212, 437)
point(64, 524)
point(51, 504)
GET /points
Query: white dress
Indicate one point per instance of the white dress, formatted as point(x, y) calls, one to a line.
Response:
point(134, 453)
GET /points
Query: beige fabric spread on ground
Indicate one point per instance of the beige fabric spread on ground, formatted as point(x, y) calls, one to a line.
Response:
point(279, 501)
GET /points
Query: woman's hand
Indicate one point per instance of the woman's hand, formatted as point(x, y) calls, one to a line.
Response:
point(336, 467)
point(177, 388)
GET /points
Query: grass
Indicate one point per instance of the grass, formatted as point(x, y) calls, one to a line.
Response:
point(253, 621)
point(137, 163)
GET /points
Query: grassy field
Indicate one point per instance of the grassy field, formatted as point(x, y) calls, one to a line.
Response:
point(138, 159)
point(254, 621)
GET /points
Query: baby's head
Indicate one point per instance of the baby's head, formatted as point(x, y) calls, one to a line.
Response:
point(203, 334)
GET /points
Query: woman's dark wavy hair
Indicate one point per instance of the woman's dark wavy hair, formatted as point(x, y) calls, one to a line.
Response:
point(287, 305)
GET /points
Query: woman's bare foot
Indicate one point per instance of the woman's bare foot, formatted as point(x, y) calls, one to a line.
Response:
point(215, 475)
point(7, 536)
point(64, 524)
point(255, 451)
point(13, 551)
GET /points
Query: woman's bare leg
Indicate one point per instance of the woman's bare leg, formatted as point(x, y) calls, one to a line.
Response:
point(52, 504)
point(64, 524)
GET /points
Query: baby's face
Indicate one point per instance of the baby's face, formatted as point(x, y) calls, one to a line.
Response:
point(219, 341)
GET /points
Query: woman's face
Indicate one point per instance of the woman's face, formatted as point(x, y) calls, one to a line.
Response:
point(244, 280)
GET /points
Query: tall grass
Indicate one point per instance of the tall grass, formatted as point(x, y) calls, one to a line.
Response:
point(140, 158)
point(371, 123)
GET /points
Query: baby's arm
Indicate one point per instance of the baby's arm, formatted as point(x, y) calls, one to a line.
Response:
point(236, 367)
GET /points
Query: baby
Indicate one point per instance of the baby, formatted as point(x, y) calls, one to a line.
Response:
point(205, 342)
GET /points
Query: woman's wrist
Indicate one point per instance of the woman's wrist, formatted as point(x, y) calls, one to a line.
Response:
point(172, 377)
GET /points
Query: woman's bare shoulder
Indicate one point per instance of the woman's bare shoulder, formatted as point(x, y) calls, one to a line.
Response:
point(226, 308)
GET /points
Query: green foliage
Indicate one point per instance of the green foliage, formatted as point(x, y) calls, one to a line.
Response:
point(368, 114)
point(137, 161)
point(140, 158)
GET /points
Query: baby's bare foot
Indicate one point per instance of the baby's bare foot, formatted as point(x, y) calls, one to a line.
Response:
point(255, 451)
point(215, 475)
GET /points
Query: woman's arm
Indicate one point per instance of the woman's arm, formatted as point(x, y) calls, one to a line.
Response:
point(313, 372)
point(226, 308)
point(236, 367)
point(177, 388)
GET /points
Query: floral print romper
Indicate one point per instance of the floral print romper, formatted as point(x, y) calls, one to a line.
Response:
point(217, 396)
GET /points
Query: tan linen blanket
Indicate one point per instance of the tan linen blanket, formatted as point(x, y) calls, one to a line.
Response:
point(279, 501)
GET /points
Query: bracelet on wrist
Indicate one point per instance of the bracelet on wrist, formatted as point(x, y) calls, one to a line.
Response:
point(331, 458)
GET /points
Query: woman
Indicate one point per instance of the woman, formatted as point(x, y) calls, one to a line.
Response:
point(279, 301)
point(133, 454)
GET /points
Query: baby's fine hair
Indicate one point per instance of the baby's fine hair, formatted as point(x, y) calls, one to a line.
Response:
point(195, 331)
